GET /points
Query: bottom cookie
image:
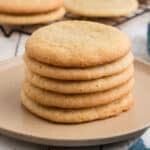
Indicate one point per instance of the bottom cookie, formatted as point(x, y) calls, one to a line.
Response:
point(80, 115)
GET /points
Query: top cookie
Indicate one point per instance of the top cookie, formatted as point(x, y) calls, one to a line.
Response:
point(29, 6)
point(77, 44)
point(101, 8)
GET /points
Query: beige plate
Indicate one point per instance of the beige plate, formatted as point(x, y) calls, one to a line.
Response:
point(17, 122)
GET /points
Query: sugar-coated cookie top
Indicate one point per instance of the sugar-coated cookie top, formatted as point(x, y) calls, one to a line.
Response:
point(29, 6)
point(77, 44)
point(101, 8)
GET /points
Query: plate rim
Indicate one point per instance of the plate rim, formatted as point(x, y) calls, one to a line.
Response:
point(71, 142)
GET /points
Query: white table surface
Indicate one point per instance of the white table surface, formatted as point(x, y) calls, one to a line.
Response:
point(14, 46)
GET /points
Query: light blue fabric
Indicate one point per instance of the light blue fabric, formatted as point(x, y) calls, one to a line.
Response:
point(139, 145)
point(143, 143)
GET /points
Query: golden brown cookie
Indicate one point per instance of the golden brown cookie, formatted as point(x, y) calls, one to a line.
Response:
point(28, 19)
point(47, 98)
point(101, 8)
point(74, 87)
point(78, 115)
point(77, 44)
point(29, 6)
point(78, 73)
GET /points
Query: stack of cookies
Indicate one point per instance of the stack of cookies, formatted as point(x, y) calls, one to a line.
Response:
point(25, 12)
point(78, 71)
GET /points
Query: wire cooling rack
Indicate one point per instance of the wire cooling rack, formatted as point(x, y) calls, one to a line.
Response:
point(143, 8)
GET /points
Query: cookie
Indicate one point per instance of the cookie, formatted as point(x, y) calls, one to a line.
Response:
point(76, 87)
point(78, 73)
point(77, 44)
point(101, 8)
point(47, 98)
point(26, 19)
point(29, 6)
point(78, 115)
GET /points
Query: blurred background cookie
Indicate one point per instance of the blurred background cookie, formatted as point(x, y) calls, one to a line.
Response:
point(26, 19)
point(20, 12)
point(101, 8)
point(29, 6)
